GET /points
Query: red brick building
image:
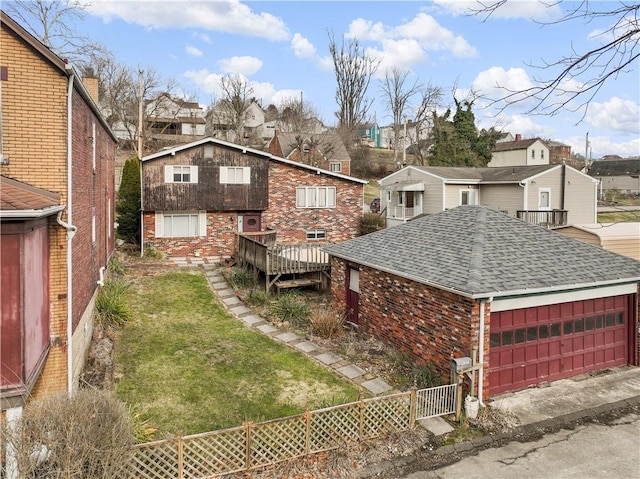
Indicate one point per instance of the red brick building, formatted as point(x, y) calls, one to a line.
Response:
point(57, 213)
point(535, 305)
point(197, 197)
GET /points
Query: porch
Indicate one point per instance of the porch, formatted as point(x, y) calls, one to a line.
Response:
point(547, 218)
point(306, 264)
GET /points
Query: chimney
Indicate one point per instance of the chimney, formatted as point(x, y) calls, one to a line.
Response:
point(518, 137)
point(91, 84)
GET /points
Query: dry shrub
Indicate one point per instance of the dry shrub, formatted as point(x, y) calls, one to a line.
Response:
point(328, 321)
point(88, 435)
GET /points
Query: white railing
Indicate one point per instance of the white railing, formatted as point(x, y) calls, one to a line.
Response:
point(438, 401)
point(403, 212)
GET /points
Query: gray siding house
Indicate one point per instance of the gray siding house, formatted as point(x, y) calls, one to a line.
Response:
point(548, 195)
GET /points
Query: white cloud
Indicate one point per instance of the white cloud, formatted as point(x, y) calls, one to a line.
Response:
point(193, 51)
point(422, 29)
point(496, 82)
point(244, 65)
point(402, 53)
point(303, 48)
point(203, 37)
point(228, 16)
point(527, 9)
point(615, 114)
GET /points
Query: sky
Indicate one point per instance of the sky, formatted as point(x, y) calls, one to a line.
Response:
point(282, 49)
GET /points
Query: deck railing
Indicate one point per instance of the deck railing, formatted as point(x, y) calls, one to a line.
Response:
point(547, 218)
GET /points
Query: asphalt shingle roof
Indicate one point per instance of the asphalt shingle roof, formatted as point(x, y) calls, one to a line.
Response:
point(18, 196)
point(480, 252)
point(487, 174)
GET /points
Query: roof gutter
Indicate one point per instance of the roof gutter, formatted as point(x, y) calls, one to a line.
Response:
point(31, 214)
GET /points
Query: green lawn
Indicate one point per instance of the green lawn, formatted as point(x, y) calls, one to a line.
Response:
point(192, 367)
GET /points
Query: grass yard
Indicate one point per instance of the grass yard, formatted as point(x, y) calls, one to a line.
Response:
point(619, 217)
point(191, 367)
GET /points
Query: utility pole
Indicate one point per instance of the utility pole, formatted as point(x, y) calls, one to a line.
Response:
point(586, 153)
point(140, 110)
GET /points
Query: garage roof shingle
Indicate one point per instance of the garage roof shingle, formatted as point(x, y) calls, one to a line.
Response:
point(479, 252)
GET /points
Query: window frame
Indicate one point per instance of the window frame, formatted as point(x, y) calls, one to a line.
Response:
point(243, 171)
point(335, 167)
point(471, 194)
point(169, 174)
point(199, 218)
point(316, 234)
point(304, 198)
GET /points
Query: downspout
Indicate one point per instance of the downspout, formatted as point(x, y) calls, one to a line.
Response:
point(562, 188)
point(71, 230)
point(481, 352)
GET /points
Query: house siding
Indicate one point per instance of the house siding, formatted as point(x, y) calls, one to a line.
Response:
point(502, 198)
point(34, 130)
point(578, 188)
point(423, 322)
point(452, 194)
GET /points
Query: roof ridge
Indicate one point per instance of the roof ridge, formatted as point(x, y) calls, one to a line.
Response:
point(474, 280)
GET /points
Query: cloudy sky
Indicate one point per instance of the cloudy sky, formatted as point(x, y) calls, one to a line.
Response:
point(282, 49)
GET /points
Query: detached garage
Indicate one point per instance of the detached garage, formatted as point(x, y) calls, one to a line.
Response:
point(536, 305)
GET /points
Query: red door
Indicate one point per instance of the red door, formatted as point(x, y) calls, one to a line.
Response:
point(353, 295)
point(545, 343)
point(251, 223)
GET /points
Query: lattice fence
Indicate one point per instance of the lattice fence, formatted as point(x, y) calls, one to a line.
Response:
point(254, 445)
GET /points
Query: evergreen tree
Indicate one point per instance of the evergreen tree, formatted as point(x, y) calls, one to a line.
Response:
point(128, 203)
point(457, 141)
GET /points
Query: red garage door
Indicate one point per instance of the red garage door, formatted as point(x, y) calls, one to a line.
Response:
point(545, 343)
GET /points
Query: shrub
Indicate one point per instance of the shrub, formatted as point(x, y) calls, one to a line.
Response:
point(289, 308)
point(88, 435)
point(128, 202)
point(257, 297)
point(152, 253)
point(243, 278)
point(111, 304)
point(371, 222)
point(327, 322)
point(425, 376)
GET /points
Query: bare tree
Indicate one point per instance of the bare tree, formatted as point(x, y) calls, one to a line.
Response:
point(354, 70)
point(430, 101)
point(397, 93)
point(236, 98)
point(52, 22)
point(297, 116)
point(579, 76)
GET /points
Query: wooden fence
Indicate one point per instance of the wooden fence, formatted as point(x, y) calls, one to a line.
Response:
point(255, 445)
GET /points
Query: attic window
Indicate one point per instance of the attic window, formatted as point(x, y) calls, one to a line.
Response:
point(180, 174)
point(306, 148)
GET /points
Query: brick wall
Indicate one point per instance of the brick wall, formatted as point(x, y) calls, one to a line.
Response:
point(340, 223)
point(426, 323)
point(34, 131)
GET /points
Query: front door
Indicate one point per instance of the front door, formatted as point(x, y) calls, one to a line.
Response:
point(249, 223)
point(353, 295)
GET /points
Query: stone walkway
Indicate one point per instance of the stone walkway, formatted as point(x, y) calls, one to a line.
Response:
point(227, 295)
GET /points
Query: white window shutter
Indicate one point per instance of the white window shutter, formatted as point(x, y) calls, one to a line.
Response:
point(194, 174)
point(223, 174)
point(331, 197)
point(202, 226)
point(246, 175)
point(159, 224)
point(168, 174)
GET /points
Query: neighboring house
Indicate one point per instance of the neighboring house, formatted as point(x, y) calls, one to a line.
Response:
point(621, 238)
point(56, 218)
point(323, 150)
point(559, 153)
point(197, 197)
point(221, 123)
point(549, 195)
point(505, 137)
point(520, 152)
point(619, 175)
point(369, 135)
point(173, 119)
point(536, 305)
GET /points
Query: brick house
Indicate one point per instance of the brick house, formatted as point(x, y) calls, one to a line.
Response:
point(57, 206)
point(321, 150)
point(536, 305)
point(197, 197)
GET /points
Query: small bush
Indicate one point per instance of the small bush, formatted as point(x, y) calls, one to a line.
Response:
point(257, 297)
point(371, 222)
point(289, 308)
point(327, 322)
point(152, 253)
point(243, 278)
point(116, 268)
point(88, 435)
point(144, 431)
point(425, 376)
point(111, 304)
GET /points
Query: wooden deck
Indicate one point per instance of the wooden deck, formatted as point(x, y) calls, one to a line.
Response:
point(306, 261)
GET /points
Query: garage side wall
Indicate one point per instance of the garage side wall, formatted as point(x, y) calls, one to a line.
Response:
point(426, 323)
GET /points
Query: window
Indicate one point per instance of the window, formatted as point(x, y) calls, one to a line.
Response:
point(316, 234)
point(542, 154)
point(235, 175)
point(544, 199)
point(533, 154)
point(316, 197)
point(336, 167)
point(469, 197)
point(180, 174)
point(181, 224)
